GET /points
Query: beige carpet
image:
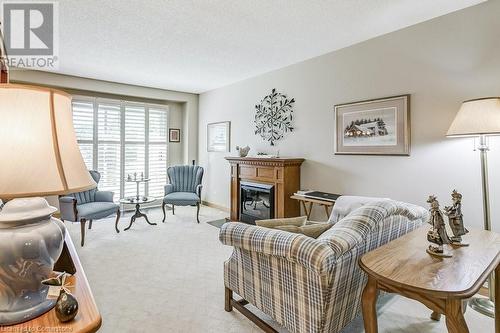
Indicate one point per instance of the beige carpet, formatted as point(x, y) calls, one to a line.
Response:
point(168, 278)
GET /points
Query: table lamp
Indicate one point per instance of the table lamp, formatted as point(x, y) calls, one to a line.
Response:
point(480, 118)
point(40, 157)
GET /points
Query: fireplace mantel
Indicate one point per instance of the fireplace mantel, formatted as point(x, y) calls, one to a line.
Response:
point(283, 173)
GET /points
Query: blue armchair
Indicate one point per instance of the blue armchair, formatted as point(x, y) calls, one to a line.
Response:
point(184, 188)
point(88, 206)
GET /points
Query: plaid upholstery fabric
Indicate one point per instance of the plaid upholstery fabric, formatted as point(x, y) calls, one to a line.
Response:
point(306, 284)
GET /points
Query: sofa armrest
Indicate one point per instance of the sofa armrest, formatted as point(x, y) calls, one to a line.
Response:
point(169, 188)
point(67, 207)
point(104, 196)
point(386, 219)
point(198, 190)
point(297, 248)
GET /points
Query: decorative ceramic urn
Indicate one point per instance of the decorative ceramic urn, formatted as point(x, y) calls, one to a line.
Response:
point(31, 241)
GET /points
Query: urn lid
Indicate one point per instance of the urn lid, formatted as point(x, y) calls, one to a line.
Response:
point(25, 209)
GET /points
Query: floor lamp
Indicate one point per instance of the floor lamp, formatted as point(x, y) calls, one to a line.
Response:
point(480, 118)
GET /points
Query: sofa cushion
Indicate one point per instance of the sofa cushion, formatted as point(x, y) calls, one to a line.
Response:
point(273, 223)
point(96, 210)
point(181, 198)
point(310, 230)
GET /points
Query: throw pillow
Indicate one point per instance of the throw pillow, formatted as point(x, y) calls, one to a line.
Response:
point(272, 223)
point(310, 230)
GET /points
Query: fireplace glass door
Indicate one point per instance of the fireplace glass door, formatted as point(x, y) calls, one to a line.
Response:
point(256, 202)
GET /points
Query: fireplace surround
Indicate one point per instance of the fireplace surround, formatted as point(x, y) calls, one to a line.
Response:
point(282, 174)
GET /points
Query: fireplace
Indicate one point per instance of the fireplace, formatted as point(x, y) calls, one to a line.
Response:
point(256, 202)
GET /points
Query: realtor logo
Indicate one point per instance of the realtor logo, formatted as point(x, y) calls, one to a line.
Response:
point(30, 31)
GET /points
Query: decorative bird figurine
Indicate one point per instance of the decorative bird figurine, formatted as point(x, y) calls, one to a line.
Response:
point(243, 151)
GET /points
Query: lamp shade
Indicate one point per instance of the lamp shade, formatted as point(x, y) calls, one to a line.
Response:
point(40, 155)
point(477, 117)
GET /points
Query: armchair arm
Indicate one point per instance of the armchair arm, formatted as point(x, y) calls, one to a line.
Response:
point(104, 196)
point(198, 190)
point(309, 252)
point(67, 207)
point(169, 188)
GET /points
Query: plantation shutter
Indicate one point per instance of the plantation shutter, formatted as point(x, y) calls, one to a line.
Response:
point(135, 146)
point(119, 138)
point(158, 129)
point(109, 147)
point(83, 121)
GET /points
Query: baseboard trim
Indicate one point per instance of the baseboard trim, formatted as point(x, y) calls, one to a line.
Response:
point(219, 207)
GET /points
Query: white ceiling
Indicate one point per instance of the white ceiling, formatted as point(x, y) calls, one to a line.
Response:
point(199, 45)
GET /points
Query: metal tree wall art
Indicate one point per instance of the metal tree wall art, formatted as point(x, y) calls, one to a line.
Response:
point(274, 116)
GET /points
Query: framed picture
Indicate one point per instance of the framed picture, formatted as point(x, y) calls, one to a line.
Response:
point(174, 135)
point(218, 136)
point(374, 127)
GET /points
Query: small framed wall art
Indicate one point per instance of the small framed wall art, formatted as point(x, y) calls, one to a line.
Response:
point(174, 135)
point(373, 127)
point(219, 136)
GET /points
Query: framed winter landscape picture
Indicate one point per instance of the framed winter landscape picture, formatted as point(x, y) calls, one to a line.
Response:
point(218, 136)
point(374, 127)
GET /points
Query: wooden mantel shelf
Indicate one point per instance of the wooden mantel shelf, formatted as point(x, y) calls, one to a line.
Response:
point(88, 319)
point(275, 161)
point(283, 173)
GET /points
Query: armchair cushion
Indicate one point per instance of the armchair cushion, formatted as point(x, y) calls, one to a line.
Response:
point(96, 210)
point(181, 198)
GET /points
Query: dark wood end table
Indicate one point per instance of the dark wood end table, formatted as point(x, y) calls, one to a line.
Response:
point(442, 284)
point(137, 202)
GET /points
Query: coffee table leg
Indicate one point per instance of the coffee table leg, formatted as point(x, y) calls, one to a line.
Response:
point(145, 217)
point(136, 215)
point(132, 220)
point(455, 321)
point(369, 303)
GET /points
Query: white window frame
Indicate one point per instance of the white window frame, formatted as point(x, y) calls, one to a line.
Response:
point(95, 139)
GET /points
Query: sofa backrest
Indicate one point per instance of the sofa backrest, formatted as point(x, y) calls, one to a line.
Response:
point(89, 195)
point(185, 178)
point(345, 204)
point(355, 227)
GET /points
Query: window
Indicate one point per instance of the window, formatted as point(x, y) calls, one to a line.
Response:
point(118, 138)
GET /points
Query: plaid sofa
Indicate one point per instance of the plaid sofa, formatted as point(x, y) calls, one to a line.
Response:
point(306, 284)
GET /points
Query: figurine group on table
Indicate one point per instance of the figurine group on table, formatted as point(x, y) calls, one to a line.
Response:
point(438, 234)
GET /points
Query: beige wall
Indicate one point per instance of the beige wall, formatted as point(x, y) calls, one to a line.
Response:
point(440, 63)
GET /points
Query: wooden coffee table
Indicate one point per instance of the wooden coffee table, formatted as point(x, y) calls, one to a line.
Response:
point(442, 284)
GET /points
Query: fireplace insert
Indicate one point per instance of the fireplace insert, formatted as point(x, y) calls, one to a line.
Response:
point(256, 202)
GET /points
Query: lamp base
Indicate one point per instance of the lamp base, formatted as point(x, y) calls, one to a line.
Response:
point(483, 305)
point(30, 242)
